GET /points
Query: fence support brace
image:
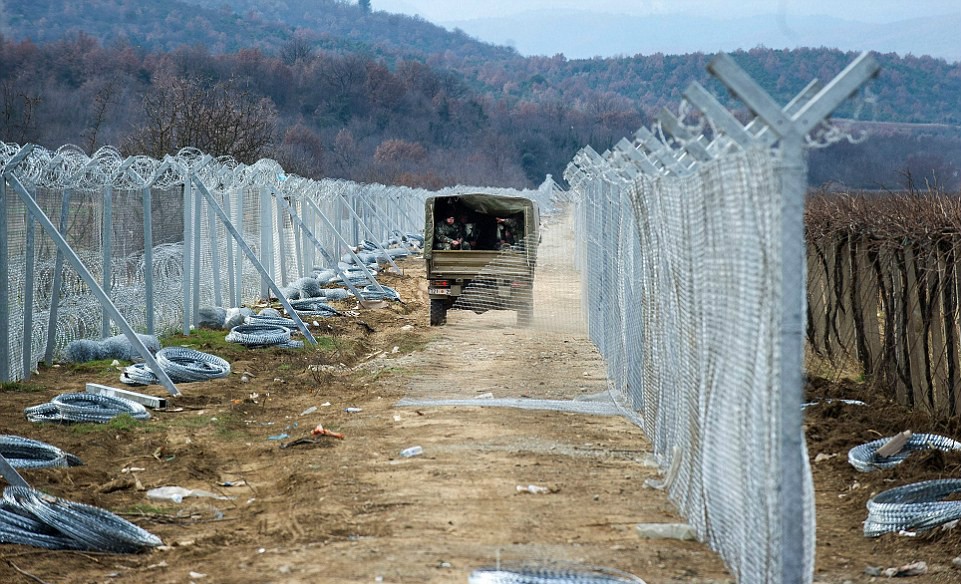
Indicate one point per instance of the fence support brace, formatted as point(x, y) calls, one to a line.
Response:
point(62, 245)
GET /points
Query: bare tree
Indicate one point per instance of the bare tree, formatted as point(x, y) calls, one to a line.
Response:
point(18, 111)
point(219, 119)
point(346, 151)
point(296, 49)
point(101, 102)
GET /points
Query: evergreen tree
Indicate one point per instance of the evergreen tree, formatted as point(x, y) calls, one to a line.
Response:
point(364, 5)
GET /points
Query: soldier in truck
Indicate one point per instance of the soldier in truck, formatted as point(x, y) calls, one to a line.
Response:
point(449, 234)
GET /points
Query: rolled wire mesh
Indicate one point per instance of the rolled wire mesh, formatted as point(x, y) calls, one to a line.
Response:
point(865, 457)
point(85, 407)
point(28, 453)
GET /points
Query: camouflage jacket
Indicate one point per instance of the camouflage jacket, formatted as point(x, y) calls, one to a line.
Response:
point(445, 233)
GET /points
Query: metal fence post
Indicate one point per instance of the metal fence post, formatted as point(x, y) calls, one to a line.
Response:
point(266, 238)
point(148, 256)
point(792, 173)
point(195, 264)
point(187, 254)
point(106, 235)
point(28, 286)
point(57, 283)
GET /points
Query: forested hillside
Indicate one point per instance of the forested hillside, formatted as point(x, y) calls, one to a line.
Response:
point(340, 91)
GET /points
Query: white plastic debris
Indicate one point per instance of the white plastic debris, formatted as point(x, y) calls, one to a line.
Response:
point(533, 489)
point(178, 494)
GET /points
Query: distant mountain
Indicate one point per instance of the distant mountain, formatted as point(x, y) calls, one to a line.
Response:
point(224, 26)
point(582, 35)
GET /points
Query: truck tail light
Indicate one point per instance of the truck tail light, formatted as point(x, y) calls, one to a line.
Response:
point(440, 284)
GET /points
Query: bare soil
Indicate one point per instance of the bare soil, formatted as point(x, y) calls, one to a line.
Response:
point(354, 510)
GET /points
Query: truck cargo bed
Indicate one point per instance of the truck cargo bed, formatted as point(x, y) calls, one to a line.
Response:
point(468, 264)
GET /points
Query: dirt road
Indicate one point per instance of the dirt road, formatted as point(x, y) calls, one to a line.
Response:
point(354, 510)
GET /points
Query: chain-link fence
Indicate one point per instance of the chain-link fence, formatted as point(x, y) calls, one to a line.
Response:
point(145, 243)
point(692, 258)
point(687, 240)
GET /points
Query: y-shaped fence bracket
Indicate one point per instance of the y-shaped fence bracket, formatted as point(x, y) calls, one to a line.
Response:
point(791, 130)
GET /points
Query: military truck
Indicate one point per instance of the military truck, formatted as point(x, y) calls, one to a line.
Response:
point(497, 271)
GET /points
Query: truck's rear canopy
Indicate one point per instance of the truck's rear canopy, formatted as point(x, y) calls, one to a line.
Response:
point(483, 209)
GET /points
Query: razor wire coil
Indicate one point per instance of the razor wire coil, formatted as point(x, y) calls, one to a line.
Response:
point(19, 527)
point(550, 576)
point(28, 453)
point(917, 506)
point(259, 335)
point(138, 374)
point(865, 457)
point(314, 307)
point(88, 526)
point(85, 408)
point(186, 365)
point(182, 365)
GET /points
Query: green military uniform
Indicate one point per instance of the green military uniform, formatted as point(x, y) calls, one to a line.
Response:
point(507, 232)
point(445, 234)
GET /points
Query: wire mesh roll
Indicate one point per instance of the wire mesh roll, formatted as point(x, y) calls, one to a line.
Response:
point(186, 365)
point(336, 293)
point(355, 278)
point(865, 457)
point(19, 527)
point(386, 293)
point(314, 307)
point(280, 321)
point(28, 453)
point(92, 527)
point(85, 407)
point(258, 335)
point(551, 576)
point(913, 507)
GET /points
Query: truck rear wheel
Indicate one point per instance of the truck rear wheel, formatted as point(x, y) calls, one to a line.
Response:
point(438, 311)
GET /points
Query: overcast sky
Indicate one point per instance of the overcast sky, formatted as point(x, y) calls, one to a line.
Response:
point(588, 28)
point(440, 11)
